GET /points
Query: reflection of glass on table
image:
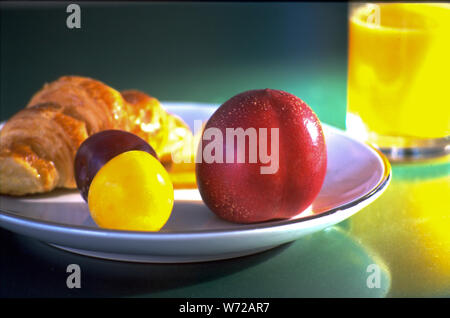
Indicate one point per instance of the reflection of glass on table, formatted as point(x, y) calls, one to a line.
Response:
point(408, 228)
point(398, 78)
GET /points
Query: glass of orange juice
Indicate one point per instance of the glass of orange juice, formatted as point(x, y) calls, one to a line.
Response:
point(399, 78)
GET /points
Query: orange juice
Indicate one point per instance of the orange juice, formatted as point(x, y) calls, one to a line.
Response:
point(399, 73)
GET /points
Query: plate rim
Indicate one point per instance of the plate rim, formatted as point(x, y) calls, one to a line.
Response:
point(12, 218)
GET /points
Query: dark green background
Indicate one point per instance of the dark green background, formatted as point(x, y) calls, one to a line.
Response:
point(205, 52)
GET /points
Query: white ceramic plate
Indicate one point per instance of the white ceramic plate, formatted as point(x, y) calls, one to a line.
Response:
point(356, 175)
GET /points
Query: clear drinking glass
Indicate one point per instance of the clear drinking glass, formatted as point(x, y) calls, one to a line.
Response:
point(399, 78)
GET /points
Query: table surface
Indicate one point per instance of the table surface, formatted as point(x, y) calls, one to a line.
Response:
point(404, 232)
point(166, 50)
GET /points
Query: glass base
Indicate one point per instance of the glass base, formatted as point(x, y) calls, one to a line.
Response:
point(400, 149)
point(417, 149)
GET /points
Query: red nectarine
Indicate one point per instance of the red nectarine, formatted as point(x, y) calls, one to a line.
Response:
point(276, 177)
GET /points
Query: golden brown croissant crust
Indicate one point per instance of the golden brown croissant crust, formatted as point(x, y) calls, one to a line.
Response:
point(99, 106)
point(39, 143)
point(146, 118)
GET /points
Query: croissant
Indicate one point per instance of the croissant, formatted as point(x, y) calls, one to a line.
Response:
point(38, 144)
